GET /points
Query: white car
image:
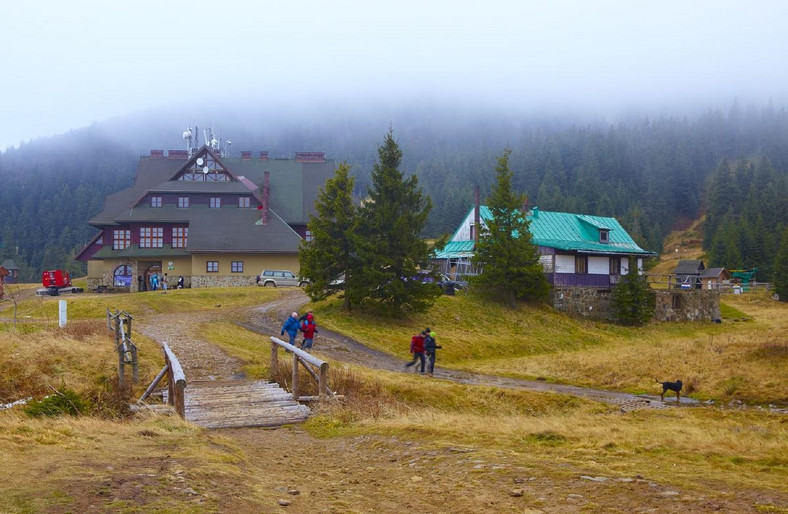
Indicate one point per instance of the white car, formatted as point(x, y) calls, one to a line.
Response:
point(280, 278)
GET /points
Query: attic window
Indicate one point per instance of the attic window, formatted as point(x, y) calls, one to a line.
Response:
point(604, 235)
point(155, 201)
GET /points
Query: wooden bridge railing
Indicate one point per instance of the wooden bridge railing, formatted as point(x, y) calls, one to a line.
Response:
point(176, 382)
point(321, 376)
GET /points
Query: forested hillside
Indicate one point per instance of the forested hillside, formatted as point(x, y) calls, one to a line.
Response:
point(650, 173)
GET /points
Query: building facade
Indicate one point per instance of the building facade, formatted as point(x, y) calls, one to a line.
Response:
point(211, 219)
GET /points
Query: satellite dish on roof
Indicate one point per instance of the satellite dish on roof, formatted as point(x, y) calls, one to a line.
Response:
point(206, 169)
point(200, 161)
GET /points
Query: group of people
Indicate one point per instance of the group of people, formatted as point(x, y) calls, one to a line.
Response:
point(305, 324)
point(157, 282)
point(423, 347)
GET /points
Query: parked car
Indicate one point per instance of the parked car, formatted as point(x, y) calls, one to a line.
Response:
point(449, 286)
point(280, 278)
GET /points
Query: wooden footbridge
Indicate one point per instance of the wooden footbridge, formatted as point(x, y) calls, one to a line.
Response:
point(242, 403)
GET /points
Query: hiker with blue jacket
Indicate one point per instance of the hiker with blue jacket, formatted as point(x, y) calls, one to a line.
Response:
point(291, 326)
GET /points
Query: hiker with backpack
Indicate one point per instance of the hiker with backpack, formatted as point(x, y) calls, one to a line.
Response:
point(291, 326)
point(309, 329)
point(430, 345)
point(417, 349)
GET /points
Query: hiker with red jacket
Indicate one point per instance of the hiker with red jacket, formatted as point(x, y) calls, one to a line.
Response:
point(308, 327)
point(417, 349)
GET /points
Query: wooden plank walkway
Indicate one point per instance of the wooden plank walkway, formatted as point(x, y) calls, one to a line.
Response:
point(241, 403)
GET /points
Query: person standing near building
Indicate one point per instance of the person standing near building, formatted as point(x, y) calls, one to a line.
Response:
point(430, 345)
point(164, 282)
point(417, 349)
point(291, 327)
point(154, 281)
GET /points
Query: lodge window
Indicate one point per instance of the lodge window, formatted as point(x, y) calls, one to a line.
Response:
point(604, 236)
point(615, 265)
point(308, 235)
point(122, 276)
point(151, 237)
point(581, 264)
point(473, 232)
point(237, 266)
point(216, 202)
point(121, 239)
point(244, 202)
point(183, 202)
point(155, 201)
point(212, 266)
point(180, 236)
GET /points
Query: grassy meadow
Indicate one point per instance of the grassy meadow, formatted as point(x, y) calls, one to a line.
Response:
point(155, 462)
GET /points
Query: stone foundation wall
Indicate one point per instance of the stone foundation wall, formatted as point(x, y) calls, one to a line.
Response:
point(687, 305)
point(222, 281)
point(583, 302)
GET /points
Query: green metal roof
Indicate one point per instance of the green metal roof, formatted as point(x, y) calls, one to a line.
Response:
point(562, 231)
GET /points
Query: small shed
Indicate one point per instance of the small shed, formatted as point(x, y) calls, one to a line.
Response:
point(13, 271)
point(714, 278)
point(688, 272)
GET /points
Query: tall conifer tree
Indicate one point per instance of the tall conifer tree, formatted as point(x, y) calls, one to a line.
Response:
point(392, 251)
point(506, 251)
point(331, 254)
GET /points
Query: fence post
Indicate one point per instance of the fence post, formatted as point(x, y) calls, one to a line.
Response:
point(295, 377)
point(322, 384)
point(121, 353)
point(274, 361)
point(135, 368)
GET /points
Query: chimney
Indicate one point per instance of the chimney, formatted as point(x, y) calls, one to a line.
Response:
point(157, 154)
point(476, 214)
point(177, 154)
point(263, 156)
point(265, 198)
point(246, 156)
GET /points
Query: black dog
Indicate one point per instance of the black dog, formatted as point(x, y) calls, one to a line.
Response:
point(670, 386)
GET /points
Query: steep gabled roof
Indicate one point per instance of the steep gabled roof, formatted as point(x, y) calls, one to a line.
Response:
point(689, 267)
point(9, 264)
point(563, 231)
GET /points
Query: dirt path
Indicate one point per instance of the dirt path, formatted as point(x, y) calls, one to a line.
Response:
point(266, 320)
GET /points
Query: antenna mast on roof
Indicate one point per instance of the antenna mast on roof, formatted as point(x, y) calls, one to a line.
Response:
point(187, 135)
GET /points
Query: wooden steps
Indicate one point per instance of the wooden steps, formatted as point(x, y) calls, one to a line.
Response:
point(241, 403)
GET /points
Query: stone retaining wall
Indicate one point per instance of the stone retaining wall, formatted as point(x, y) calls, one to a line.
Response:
point(688, 305)
point(222, 281)
point(583, 302)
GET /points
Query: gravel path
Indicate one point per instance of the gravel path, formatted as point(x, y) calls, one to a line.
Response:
point(267, 319)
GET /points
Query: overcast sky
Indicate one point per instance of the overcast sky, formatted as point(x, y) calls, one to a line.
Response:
point(68, 63)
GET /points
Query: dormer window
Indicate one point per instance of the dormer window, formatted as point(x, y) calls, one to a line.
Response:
point(183, 202)
point(244, 202)
point(604, 235)
point(215, 202)
point(155, 201)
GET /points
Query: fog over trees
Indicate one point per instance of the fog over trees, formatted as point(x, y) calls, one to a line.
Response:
point(651, 172)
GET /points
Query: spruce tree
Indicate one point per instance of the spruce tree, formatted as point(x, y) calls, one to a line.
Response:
point(780, 272)
point(391, 252)
point(506, 251)
point(632, 300)
point(329, 259)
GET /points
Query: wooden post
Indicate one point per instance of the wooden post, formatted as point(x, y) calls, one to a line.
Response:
point(274, 361)
point(135, 368)
point(109, 319)
point(322, 384)
point(121, 353)
point(176, 381)
point(153, 384)
point(295, 376)
point(128, 324)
